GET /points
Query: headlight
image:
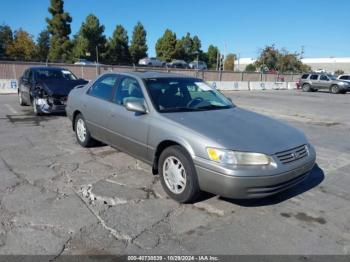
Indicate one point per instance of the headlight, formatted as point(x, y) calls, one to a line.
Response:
point(238, 158)
point(343, 83)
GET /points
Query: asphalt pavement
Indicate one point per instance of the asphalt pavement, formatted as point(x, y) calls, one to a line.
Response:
point(57, 198)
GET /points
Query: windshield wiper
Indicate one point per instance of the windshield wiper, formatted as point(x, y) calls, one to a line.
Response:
point(212, 107)
point(177, 109)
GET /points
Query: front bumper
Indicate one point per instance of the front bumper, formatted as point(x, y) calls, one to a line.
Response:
point(249, 183)
point(50, 106)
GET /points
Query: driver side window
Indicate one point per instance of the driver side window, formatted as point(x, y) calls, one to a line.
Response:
point(128, 89)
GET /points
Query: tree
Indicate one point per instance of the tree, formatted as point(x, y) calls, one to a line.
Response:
point(43, 45)
point(229, 63)
point(212, 55)
point(288, 63)
point(118, 47)
point(6, 38)
point(250, 68)
point(272, 59)
point(22, 48)
point(138, 46)
point(339, 72)
point(165, 46)
point(268, 58)
point(89, 38)
point(188, 48)
point(59, 28)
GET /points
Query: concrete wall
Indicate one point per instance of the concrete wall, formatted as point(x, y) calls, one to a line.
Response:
point(251, 85)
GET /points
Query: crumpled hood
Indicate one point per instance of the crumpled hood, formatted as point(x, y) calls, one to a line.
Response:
point(241, 130)
point(61, 87)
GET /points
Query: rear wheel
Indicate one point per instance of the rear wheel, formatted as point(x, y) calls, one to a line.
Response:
point(306, 87)
point(82, 133)
point(178, 175)
point(334, 89)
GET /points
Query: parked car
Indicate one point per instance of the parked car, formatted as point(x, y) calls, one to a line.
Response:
point(151, 61)
point(319, 81)
point(200, 65)
point(84, 62)
point(194, 137)
point(345, 78)
point(178, 64)
point(46, 88)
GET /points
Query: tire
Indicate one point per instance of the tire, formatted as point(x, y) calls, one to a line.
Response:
point(306, 88)
point(334, 89)
point(186, 191)
point(82, 133)
point(20, 99)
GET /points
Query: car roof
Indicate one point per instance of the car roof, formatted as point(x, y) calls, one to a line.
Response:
point(153, 74)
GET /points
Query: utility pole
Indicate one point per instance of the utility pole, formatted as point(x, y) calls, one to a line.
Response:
point(225, 54)
point(217, 61)
point(239, 58)
point(302, 52)
point(97, 54)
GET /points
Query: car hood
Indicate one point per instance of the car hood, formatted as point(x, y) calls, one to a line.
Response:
point(241, 130)
point(61, 87)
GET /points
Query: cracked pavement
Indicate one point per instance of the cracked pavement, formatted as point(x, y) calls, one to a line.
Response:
point(57, 198)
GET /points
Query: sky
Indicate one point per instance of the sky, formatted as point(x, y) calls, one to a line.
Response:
point(322, 27)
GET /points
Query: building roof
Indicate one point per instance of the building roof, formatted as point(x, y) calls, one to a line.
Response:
point(326, 60)
point(320, 60)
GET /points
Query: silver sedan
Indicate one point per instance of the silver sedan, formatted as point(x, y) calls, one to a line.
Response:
point(194, 137)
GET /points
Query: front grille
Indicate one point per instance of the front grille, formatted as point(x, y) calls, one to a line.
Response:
point(292, 155)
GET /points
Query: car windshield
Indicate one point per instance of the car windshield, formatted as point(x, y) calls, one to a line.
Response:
point(54, 74)
point(184, 94)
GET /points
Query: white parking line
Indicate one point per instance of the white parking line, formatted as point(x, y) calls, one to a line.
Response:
point(12, 110)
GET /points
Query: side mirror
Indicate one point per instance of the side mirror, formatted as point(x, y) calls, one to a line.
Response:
point(135, 106)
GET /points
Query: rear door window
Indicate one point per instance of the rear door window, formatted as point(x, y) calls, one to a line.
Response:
point(324, 78)
point(314, 77)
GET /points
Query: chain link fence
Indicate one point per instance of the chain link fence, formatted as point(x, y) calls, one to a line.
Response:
point(13, 70)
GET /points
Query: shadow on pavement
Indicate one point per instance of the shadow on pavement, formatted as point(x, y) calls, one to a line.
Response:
point(314, 179)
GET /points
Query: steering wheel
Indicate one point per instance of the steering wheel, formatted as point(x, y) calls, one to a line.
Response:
point(194, 102)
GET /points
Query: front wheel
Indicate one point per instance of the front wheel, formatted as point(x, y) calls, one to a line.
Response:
point(178, 175)
point(334, 89)
point(82, 133)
